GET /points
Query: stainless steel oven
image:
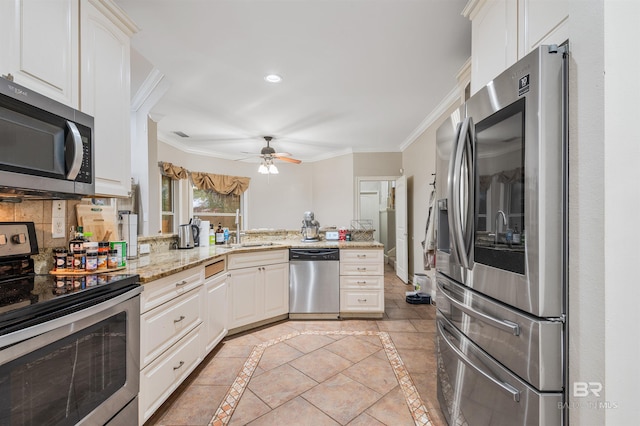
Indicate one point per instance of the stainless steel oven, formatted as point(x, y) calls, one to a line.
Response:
point(69, 345)
point(502, 247)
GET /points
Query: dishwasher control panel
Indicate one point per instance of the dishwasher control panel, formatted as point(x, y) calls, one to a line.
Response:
point(314, 254)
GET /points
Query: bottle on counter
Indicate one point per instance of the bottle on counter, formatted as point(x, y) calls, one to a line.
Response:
point(516, 235)
point(212, 235)
point(77, 241)
point(219, 235)
point(60, 259)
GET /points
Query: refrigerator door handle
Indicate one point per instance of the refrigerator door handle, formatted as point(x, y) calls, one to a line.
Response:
point(450, 192)
point(462, 233)
point(508, 326)
point(505, 387)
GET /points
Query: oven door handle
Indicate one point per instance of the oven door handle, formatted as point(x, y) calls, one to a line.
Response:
point(505, 387)
point(504, 325)
point(66, 320)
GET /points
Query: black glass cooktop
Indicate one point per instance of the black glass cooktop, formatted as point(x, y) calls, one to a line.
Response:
point(31, 299)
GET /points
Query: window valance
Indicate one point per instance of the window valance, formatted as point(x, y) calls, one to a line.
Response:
point(172, 171)
point(222, 184)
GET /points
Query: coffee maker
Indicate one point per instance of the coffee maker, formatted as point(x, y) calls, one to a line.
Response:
point(310, 227)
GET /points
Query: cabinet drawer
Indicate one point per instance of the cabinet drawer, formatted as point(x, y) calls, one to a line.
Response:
point(163, 326)
point(361, 301)
point(361, 268)
point(361, 256)
point(160, 378)
point(367, 282)
point(258, 258)
point(165, 289)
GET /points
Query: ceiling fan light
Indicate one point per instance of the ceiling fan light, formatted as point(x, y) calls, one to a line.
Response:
point(273, 78)
point(273, 169)
point(263, 169)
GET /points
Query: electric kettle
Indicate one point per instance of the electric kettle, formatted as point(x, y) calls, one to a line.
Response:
point(188, 235)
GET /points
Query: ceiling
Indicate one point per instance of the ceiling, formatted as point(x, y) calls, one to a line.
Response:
point(358, 75)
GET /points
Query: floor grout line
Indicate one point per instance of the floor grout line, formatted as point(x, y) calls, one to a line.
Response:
point(231, 400)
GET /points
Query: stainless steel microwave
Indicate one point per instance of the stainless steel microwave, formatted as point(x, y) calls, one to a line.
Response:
point(46, 148)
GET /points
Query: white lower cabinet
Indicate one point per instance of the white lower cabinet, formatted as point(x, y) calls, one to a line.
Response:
point(161, 378)
point(361, 282)
point(215, 287)
point(172, 335)
point(258, 286)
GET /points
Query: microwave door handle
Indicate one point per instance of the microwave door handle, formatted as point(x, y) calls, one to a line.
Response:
point(450, 192)
point(505, 387)
point(504, 325)
point(73, 151)
point(456, 204)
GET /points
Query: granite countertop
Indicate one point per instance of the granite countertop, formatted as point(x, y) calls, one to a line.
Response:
point(154, 266)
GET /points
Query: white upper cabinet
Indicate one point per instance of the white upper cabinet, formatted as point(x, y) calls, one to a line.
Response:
point(105, 82)
point(494, 38)
point(503, 31)
point(542, 22)
point(39, 46)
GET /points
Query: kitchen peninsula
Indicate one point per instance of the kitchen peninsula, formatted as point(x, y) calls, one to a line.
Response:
point(193, 298)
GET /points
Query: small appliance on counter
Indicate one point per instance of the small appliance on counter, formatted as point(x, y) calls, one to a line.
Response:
point(310, 228)
point(129, 233)
point(188, 235)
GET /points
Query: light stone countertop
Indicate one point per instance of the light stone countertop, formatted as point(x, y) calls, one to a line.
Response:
point(158, 265)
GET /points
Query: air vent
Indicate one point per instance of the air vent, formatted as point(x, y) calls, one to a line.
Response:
point(181, 134)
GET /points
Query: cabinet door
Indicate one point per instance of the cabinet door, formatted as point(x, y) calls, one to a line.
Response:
point(216, 308)
point(276, 289)
point(105, 82)
point(542, 22)
point(39, 46)
point(494, 40)
point(246, 294)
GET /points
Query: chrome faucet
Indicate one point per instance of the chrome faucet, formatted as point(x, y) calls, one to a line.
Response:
point(495, 222)
point(238, 227)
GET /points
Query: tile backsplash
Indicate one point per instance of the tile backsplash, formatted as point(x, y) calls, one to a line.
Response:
point(40, 213)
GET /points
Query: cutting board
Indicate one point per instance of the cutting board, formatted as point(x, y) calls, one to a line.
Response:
point(101, 221)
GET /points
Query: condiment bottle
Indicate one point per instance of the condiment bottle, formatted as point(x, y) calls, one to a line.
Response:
point(219, 235)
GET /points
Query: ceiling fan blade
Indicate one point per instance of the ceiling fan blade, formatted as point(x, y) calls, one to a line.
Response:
point(281, 154)
point(289, 160)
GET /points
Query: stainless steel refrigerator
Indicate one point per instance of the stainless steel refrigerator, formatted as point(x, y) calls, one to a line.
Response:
point(501, 257)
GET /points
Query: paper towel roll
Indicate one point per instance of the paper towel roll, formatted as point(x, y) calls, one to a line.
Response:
point(204, 233)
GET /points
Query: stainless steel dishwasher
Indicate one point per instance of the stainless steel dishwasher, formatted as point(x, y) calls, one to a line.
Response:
point(314, 283)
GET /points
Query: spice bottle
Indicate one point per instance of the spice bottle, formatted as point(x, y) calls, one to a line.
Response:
point(60, 259)
point(103, 254)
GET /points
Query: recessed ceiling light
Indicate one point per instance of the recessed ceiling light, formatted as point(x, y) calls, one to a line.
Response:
point(273, 78)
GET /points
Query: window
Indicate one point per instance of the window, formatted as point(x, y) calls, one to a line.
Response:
point(168, 205)
point(217, 208)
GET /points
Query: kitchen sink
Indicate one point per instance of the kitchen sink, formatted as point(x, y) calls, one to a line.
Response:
point(252, 244)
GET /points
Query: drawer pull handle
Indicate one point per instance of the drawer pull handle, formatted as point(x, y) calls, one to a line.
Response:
point(362, 256)
point(179, 365)
point(362, 300)
point(362, 269)
point(361, 282)
point(181, 283)
point(179, 319)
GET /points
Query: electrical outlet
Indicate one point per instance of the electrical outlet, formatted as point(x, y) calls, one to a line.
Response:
point(144, 248)
point(58, 217)
point(57, 227)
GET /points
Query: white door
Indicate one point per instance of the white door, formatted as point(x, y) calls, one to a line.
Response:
point(402, 257)
point(370, 210)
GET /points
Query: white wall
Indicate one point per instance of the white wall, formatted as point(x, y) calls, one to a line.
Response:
point(419, 162)
point(621, 206)
point(333, 191)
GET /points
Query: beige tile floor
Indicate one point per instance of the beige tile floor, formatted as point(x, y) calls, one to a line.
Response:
point(318, 372)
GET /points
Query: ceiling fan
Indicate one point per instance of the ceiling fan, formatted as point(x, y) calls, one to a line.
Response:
point(268, 154)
